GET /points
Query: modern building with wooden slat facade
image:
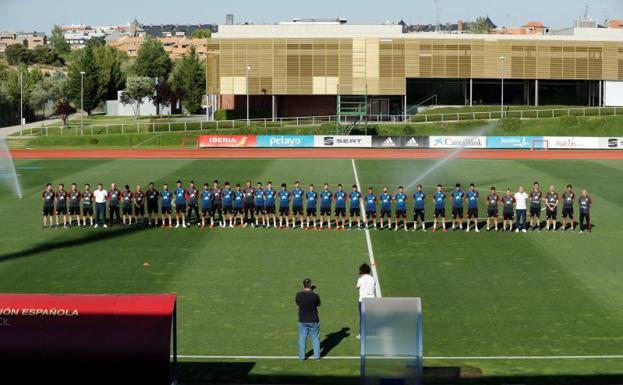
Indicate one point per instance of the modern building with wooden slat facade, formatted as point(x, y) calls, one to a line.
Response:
point(301, 69)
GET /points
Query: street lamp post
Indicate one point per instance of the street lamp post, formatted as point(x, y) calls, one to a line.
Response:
point(81, 99)
point(248, 119)
point(21, 101)
point(502, 59)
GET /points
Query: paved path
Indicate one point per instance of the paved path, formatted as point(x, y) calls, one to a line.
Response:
point(10, 130)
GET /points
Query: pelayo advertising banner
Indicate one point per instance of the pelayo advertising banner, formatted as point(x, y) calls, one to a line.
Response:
point(285, 141)
point(400, 141)
point(354, 141)
point(458, 141)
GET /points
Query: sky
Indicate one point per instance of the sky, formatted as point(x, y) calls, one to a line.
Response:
point(41, 15)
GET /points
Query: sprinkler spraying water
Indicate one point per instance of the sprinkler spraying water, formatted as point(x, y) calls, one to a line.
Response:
point(451, 155)
point(7, 168)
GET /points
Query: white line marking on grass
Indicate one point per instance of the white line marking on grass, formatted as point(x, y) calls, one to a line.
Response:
point(368, 239)
point(145, 141)
point(441, 358)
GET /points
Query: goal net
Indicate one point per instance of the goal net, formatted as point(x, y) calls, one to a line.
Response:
point(391, 341)
point(539, 144)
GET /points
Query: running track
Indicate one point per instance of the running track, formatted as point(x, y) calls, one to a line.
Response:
point(311, 153)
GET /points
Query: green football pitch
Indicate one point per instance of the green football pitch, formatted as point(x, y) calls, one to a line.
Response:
point(498, 307)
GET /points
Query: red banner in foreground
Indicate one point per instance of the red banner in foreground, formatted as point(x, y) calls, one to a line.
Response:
point(227, 141)
point(86, 338)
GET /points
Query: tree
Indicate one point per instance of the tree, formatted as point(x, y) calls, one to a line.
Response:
point(164, 95)
point(58, 42)
point(64, 109)
point(137, 88)
point(111, 77)
point(152, 60)
point(92, 87)
point(17, 53)
point(480, 26)
point(16, 91)
point(49, 89)
point(201, 33)
point(43, 54)
point(188, 80)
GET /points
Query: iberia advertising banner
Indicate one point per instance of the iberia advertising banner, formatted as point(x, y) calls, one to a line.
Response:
point(86, 339)
point(227, 141)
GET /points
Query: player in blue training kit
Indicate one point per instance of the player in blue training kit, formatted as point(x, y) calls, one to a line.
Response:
point(206, 205)
point(419, 203)
point(386, 207)
point(228, 204)
point(165, 207)
point(401, 207)
point(326, 201)
point(180, 205)
point(472, 207)
point(439, 197)
point(340, 207)
point(370, 202)
point(270, 197)
point(258, 205)
point(238, 205)
point(458, 199)
point(284, 206)
point(354, 197)
point(298, 195)
point(312, 197)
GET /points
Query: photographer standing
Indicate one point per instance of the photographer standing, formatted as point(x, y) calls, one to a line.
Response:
point(309, 323)
point(367, 287)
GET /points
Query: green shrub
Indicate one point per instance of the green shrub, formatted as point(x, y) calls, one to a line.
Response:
point(510, 124)
point(93, 140)
point(597, 123)
point(568, 121)
point(409, 130)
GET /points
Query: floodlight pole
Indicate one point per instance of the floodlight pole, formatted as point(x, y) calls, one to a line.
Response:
point(21, 101)
point(81, 99)
point(248, 119)
point(502, 59)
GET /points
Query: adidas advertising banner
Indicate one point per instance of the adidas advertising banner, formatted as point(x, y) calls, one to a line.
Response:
point(521, 142)
point(285, 141)
point(458, 142)
point(343, 141)
point(611, 143)
point(400, 141)
point(572, 142)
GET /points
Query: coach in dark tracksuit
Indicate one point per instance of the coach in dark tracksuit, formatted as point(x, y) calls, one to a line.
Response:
point(248, 191)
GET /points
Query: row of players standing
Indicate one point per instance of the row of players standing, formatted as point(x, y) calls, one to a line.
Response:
point(256, 206)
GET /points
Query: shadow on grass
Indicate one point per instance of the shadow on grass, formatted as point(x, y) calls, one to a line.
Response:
point(330, 341)
point(200, 373)
point(88, 238)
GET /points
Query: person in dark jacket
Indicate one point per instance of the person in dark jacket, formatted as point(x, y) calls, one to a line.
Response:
point(309, 323)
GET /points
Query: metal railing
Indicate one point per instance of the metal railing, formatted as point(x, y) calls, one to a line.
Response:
point(225, 126)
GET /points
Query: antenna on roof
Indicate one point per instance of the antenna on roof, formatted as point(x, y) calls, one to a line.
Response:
point(438, 23)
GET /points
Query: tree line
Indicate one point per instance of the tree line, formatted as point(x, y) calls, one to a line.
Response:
point(96, 73)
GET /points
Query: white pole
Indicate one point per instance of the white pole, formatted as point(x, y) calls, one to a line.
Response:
point(81, 98)
point(248, 120)
point(21, 101)
point(502, 58)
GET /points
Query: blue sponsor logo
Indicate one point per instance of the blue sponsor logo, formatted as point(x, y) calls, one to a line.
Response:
point(526, 142)
point(291, 141)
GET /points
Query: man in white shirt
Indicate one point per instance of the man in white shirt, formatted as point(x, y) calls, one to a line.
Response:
point(521, 197)
point(100, 195)
point(366, 285)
